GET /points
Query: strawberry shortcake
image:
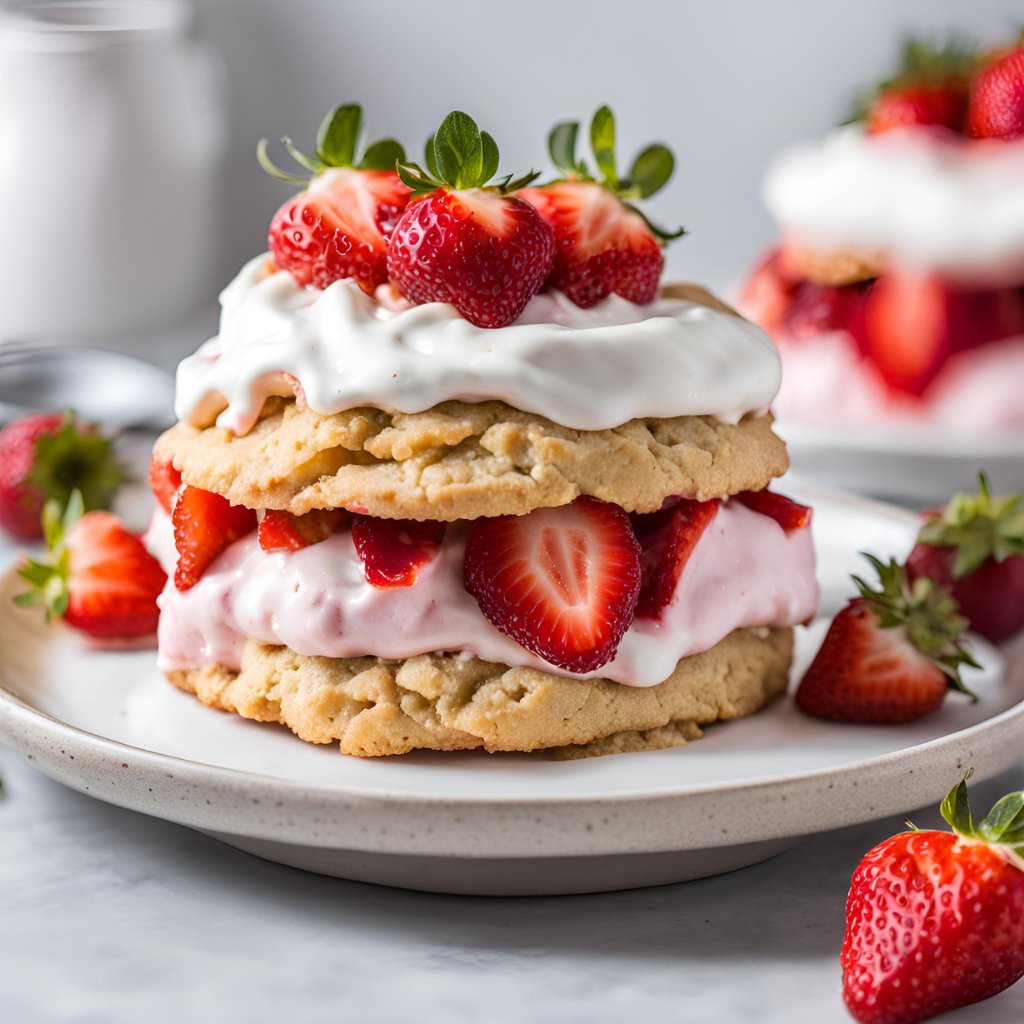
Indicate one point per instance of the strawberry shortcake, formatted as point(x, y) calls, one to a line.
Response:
point(897, 292)
point(459, 472)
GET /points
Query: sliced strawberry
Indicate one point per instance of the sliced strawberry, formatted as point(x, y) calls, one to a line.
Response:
point(769, 293)
point(667, 539)
point(927, 104)
point(164, 481)
point(996, 108)
point(281, 531)
point(204, 525)
point(817, 309)
point(562, 582)
point(786, 512)
point(890, 656)
point(394, 550)
point(100, 577)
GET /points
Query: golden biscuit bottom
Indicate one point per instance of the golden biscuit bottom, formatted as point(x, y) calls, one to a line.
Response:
point(372, 707)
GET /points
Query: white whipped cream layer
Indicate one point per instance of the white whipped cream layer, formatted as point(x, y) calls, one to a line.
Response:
point(950, 205)
point(587, 369)
point(745, 571)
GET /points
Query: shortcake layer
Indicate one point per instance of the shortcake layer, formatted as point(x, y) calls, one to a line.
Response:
point(463, 461)
point(374, 707)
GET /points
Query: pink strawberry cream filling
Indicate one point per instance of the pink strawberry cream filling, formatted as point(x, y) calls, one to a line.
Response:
point(745, 571)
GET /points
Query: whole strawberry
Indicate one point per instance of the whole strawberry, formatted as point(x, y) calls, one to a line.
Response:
point(935, 920)
point(975, 548)
point(604, 244)
point(339, 226)
point(890, 656)
point(49, 455)
point(918, 104)
point(996, 107)
point(463, 241)
point(99, 577)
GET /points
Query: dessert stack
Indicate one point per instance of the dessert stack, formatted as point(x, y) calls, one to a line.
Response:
point(459, 472)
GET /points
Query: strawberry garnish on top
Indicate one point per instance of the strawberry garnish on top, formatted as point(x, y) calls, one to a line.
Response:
point(339, 226)
point(890, 655)
point(99, 577)
point(394, 550)
point(562, 582)
point(935, 920)
point(48, 456)
point(205, 524)
point(918, 104)
point(975, 548)
point(996, 106)
point(464, 241)
point(604, 244)
point(282, 531)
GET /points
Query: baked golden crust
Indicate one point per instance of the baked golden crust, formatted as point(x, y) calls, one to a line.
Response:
point(462, 461)
point(833, 268)
point(373, 707)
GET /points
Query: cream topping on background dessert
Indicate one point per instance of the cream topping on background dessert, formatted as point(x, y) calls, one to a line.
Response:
point(950, 205)
point(745, 571)
point(586, 369)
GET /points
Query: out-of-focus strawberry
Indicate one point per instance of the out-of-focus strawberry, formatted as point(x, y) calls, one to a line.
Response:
point(99, 577)
point(996, 107)
point(769, 293)
point(340, 225)
point(49, 455)
point(918, 104)
point(205, 524)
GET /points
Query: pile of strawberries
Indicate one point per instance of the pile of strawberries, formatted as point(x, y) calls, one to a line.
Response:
point(453, 232)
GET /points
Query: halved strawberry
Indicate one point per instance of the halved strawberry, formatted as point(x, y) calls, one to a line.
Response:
point(786, 512)
point(603, 244)
point(890, 655)
point(667, 539)
point(394, 550)
point(996, 108)
point(562, 582)
point(164, 481)
point(282, 531)
point(340, 225)
point(937, 104)
point(769, 293)
point(204, 525)
point(463, 241)
point(100, 578)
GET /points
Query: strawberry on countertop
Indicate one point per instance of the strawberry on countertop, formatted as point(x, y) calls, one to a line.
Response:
point(99, 577)
point(339, 226)
point(975, 548)
point(464, 241)
point(890, 656)
point(604, 244)
point(49, 455)
point(205, 524)
point(996, 108)
point(935, 920)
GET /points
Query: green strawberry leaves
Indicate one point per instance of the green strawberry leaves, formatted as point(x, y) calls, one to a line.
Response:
point(337, 145)
point(1003, 825)
point(48, 579)
point(459, 155)
point(927, 612)
point(602, 142)
point(979, 527)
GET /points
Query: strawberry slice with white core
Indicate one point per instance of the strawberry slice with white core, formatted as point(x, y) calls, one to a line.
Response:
point(562, 582)
point(395, 550)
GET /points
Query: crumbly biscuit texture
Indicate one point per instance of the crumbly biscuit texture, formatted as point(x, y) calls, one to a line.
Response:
point(834, 268)
point(373, 707)
point(462, 461)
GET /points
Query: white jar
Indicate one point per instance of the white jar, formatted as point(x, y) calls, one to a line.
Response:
point(112, 135)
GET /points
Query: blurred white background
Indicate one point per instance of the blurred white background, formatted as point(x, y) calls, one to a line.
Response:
point(723, 82)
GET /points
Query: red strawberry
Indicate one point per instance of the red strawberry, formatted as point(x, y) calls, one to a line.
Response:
point(281, 531)
point(465, 242)
point(204, 525)
point(164, 481)
point(100, 577)
point(787, 513)
point(49, 455)
point(339, 227)
point(816, 309)
point(889, 656)
point(769, 293)
point(975, 548)
point(603, 244)
point(394, 550)
point(935, 920)
point(667, 539)
point(996, 107)
point(562, 582)
point(918, 104)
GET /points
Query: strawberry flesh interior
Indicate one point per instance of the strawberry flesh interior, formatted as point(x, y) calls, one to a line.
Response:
point(394, 550)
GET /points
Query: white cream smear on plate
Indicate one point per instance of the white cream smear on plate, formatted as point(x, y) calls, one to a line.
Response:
point(586, 369)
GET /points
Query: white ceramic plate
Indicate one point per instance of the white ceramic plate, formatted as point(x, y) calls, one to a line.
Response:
point(901, 462)
point(107, 724)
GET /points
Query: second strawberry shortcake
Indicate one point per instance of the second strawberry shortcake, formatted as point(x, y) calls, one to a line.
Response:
point(458, 472)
